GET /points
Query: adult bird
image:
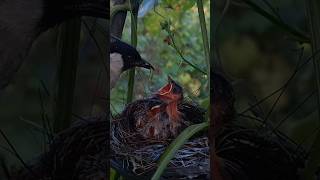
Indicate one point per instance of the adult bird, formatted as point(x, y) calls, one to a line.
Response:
point(123, 57)
point(21, 22)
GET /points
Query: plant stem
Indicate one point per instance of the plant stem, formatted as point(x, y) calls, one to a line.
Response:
point(117, 8)
point(204, 32)
point(183, 58)
point(313, 13)
point(67, 70)
point(211, 134)
point(134, 42)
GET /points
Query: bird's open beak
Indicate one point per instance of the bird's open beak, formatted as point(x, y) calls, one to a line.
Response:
point(166, 90)
point(145, 64)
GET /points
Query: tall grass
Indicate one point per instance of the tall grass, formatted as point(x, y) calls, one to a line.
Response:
point(297, 34)
point(313, 14)
point(134, 42)
point(68, 43)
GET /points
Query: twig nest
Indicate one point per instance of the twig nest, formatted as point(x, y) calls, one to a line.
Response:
point(245, 151)
point(136, 155)
point(78, 152)
point(250, 151)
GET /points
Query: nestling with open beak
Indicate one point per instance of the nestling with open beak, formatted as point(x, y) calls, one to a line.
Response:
point(172, 95)
point(123, 57)
point(160, 116)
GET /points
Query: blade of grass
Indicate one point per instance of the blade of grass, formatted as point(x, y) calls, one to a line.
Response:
point(17, 155)
point(134, 42)
point(313, 13)
point(294, 110)
point(175, 146)
point(204, 32)
point(298, 69)
point(94, 34)
point(5, 168)
point(69, 49)
point(212, 62)
point(119, 7)
point(300, 36)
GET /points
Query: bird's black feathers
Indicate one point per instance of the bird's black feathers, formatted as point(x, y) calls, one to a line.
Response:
point(130, 55)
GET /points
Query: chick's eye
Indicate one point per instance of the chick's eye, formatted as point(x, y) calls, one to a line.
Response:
point(175, 90)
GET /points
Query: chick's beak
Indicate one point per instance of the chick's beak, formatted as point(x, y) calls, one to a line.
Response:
point(145, 64)
point(165, 90)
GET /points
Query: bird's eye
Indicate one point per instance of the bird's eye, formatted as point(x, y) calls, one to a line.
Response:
point(177, 89)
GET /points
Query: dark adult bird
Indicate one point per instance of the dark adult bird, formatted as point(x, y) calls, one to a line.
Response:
point(123, 57)
point(21, 22)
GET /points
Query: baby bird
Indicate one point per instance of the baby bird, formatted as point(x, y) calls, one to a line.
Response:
point(172, 95)
point(161, 116)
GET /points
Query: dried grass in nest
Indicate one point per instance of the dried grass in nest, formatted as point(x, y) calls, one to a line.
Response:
point(253, 151)
point(78, 152)
point(140, 156)
point(137, 157)
point(248, 152)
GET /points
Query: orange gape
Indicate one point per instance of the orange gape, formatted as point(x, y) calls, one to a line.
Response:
point(172, 110)
point(172, 99)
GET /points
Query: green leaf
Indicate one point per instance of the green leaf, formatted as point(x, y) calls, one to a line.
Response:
point(187, 4)
point(175, 146)
point(114, 175)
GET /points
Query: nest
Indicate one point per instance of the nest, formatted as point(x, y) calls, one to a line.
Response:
point(137, 157)
point(78, 152)
point(258, 152)
point(248, 152)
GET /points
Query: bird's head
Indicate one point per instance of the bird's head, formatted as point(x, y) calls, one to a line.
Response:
point(171, 92)
point(125, 56)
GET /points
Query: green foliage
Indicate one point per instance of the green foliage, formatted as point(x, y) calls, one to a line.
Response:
point(170, 38)
point(181, 21)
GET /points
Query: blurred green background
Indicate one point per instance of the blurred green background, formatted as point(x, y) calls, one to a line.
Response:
point(154, 45)
point(260, 58)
